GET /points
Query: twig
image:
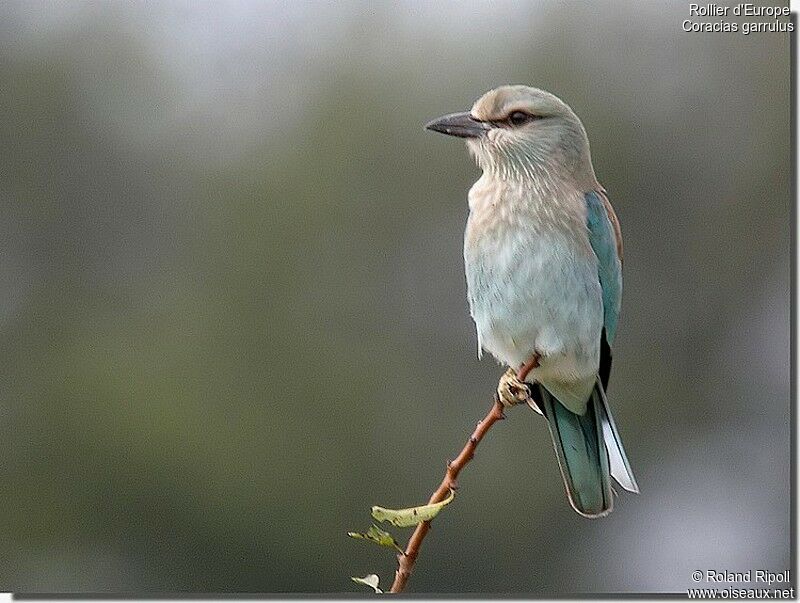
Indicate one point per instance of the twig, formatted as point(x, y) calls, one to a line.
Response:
point(407, 559)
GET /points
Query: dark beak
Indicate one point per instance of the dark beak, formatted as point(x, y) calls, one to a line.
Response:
point(462, 125)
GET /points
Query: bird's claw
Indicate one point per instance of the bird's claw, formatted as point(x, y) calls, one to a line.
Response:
point(511, 391)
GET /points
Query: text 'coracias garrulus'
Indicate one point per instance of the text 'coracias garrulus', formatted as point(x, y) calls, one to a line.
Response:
point(543, 259)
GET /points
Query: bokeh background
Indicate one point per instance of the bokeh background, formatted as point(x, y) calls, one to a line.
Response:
point(233, 313)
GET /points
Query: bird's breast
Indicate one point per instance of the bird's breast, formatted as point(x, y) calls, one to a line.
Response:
point(531, 275)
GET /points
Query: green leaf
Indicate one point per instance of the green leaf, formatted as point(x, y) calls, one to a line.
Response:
point(405, 518)
point(378, 536)
point(370, 580)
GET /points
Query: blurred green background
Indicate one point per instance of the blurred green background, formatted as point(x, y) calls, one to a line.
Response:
point(233, 313)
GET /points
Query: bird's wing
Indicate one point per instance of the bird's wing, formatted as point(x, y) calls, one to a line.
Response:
point(606, 241)
point(612, 217)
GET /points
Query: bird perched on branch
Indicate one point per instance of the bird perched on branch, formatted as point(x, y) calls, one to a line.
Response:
point(543, 259)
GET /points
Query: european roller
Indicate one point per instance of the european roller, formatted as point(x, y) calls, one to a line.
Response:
point(543, 260)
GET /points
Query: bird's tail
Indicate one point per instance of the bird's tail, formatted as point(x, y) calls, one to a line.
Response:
point(589, 451)
point(618, 461)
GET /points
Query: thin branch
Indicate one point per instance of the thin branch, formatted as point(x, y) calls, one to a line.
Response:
point(407, 559)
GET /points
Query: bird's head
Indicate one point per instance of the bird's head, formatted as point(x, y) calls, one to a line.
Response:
point(521, 132)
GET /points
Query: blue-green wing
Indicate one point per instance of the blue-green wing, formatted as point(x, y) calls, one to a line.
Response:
point(607, 245)
point(606, 241)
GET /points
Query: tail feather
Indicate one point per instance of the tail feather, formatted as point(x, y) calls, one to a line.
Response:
point(620, 466)
point(582, 455)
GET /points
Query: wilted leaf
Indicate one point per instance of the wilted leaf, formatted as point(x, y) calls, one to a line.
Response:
point(378, 536)
point(370, 580)
point(404, 518)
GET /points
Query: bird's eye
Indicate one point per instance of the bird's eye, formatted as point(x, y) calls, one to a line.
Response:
point(517, 118)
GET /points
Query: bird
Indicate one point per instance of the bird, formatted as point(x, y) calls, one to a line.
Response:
point(543, 264)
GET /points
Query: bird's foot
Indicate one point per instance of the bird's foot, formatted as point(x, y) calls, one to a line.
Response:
point(511, 391)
